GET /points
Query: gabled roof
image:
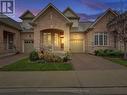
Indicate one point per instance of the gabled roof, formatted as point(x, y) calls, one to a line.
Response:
point(47, 7)
point(69, 9)
point(100, 17)
point(9, 22)
point(27, 15)
point(83, 26)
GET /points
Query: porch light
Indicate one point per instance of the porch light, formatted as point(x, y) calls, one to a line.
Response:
point(61, 36)
point(76, 36)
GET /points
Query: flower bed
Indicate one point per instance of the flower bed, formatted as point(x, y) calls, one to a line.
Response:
point(48, 57)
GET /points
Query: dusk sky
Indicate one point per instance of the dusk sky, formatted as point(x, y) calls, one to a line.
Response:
point(89, 7)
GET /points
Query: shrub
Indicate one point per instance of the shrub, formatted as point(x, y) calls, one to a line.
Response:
point(109, 53)
point(47, 57)
point(117, 54)
point(58, 59)
point(50, 57)
point(34, 56)
point(99, 52)
point(96, 52)
point(66, 58)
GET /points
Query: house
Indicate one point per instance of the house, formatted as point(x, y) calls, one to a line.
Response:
point(10, 32)
point(57, 31)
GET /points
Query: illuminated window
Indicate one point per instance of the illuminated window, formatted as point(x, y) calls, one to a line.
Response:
point(47, 38)
point(56, 39)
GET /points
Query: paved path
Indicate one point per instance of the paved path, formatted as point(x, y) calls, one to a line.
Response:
point(90, 62)
point(10, 59)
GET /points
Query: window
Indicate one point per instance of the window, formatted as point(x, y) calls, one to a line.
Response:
point(56, 39)
point(100, 39)
point(29, 41)
point(47, 38)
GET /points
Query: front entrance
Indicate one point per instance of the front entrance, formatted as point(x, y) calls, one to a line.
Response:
point(9, 41)
point(52, 39)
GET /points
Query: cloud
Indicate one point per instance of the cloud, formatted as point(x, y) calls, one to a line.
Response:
point(84, 17)
point(102, 5)
point(117, 5)
point(94, 4)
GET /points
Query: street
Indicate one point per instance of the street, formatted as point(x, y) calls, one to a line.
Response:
point(96, 82)
point(64, 91)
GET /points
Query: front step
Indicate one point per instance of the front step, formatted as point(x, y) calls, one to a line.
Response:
point(6, 55)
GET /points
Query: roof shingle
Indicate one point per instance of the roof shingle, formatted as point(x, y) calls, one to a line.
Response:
point(10, 22)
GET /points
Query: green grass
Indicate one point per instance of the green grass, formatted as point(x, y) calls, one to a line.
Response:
point(26, 65)
point(118, 61)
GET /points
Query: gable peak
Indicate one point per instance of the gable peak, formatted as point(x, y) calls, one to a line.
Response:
point(50, 5)
point(72, 12)
point(24, 15)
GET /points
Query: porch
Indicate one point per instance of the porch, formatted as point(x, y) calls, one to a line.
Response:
point(52, 40)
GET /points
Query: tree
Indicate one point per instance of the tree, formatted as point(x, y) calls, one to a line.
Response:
point(122, 32)
point(119, 24)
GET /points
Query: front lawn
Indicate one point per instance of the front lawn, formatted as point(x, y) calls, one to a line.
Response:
point(26, 65)
point(112, 55)
point(118, 61)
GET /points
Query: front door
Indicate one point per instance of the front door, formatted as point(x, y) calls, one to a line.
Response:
point(10, 41)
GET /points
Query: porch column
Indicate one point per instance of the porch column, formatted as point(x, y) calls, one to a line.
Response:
point(59, 42)
point(41, 38)
point(67, 40)
point(16, 39)
point(37, 40)
point(53, 39)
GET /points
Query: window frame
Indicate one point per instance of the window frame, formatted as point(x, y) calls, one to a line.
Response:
point(97, 41)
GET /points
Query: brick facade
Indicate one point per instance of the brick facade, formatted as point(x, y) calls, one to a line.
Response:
point(47, 22)
point(16, 33)
point(51, 18)
point(100, 26)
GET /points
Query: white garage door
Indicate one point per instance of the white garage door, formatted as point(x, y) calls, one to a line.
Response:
point(28, 46)
point(76, 45)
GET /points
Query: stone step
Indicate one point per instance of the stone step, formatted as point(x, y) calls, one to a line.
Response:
point(6, 55)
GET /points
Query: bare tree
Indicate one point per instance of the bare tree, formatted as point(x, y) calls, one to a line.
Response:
point(119, 24)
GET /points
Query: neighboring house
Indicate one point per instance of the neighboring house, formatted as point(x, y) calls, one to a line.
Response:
point(57, 31)
point(10, 32)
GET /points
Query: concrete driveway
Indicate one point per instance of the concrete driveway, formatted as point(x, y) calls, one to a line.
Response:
point(11, 59)
point(90, 62)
